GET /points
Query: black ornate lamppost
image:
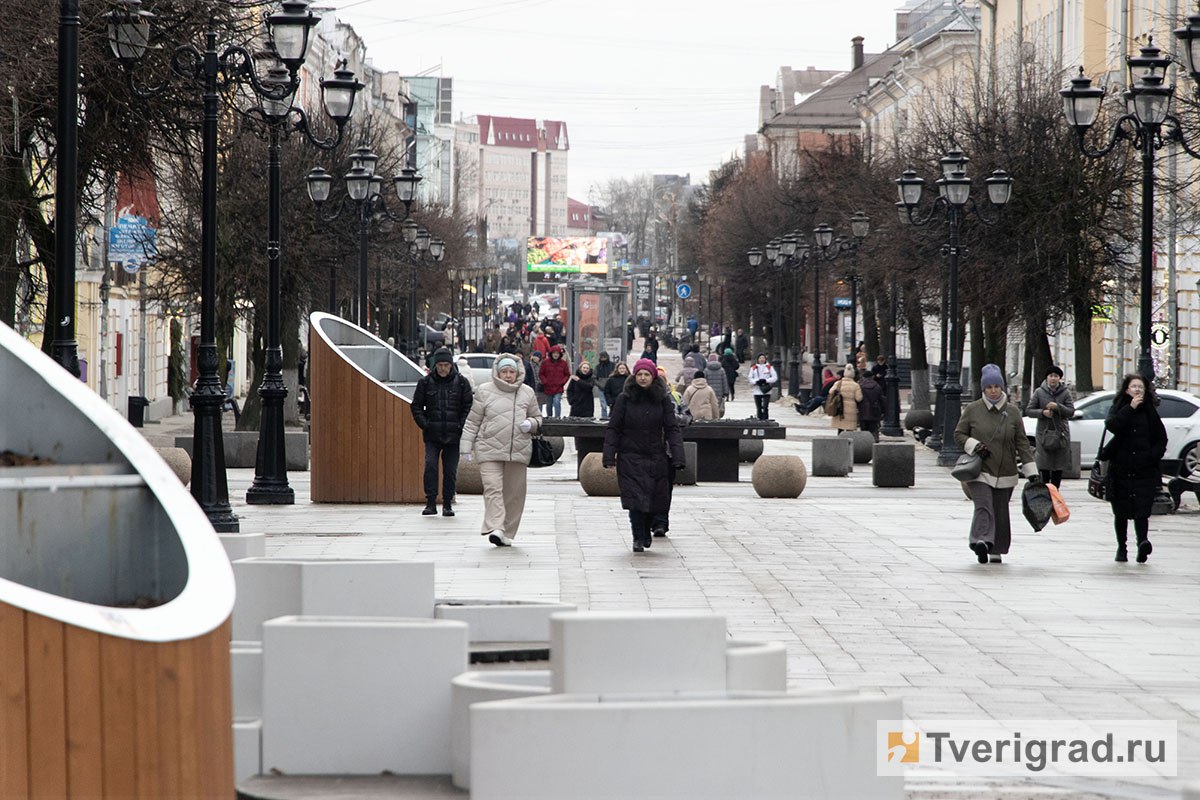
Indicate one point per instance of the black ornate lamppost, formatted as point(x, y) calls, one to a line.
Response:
point(270, 485)
point(423, 249)
point(364, 195)
point(951, 206)
point(1148, 125)
point(64, 348)
point(214, 70)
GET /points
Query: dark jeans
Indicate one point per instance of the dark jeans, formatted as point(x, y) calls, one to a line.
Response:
point(449, 455)
point(1141, 529)
point(762, 402)
point(1052, 476)
point(639, 521)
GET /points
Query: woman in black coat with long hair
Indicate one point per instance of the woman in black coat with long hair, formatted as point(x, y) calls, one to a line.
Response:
point(1134, 453)
point(581, 392)
point(643, 442)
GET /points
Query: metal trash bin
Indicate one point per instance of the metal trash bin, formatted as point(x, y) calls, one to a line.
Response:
point(137, 410)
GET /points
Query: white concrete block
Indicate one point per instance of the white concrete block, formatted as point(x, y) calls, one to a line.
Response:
point(266, 588)
point(245, 660)
point(247, 749)
point(698, 748)
point(755, 666)
point(243, 545)
point(672, 651)
point(274, 587)
point(496, 621)
point(479, 687)
point(359, 695)
point(367, 588)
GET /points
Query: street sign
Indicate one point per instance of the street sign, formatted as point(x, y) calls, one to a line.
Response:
point(842, 302)
point(132, 242)
point(684, 291)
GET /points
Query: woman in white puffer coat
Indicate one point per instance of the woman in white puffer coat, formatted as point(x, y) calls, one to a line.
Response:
point(499, 435)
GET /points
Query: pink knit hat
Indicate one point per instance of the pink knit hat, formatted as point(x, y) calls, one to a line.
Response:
point(646, 364)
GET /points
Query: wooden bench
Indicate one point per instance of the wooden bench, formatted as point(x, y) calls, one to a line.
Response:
point(716, 441)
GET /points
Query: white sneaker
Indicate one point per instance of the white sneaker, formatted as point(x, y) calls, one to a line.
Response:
point(499, 539)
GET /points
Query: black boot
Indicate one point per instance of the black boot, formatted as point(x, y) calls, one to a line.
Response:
point(430, 507)
point(1122, 553)
point(1144, 550)
point(447, 511)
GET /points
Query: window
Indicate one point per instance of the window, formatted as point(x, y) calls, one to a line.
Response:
point(1098, 409)
point(1174, 408)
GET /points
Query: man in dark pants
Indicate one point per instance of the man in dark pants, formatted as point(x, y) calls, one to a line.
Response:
point(440, 406)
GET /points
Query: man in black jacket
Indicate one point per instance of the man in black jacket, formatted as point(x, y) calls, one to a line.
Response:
point(440, 406)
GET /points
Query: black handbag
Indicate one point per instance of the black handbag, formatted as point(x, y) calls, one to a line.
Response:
point(1036, 505)
point(969, 465)
point(542, 454)
point(1098, 479)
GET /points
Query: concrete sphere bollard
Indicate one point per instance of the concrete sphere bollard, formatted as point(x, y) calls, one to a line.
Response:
point(595, 479)
point(468, 480)
point(832, 456)
point(749, 450)
point(779, 476)
point(179, 461)
point(862, 442)
point(918, 418)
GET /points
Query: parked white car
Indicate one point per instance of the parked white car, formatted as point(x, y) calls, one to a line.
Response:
point(480, 365)
point(1180, 414)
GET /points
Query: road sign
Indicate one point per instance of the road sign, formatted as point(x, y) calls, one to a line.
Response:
point(684, 291)
point(132, 242)
point(842, 302)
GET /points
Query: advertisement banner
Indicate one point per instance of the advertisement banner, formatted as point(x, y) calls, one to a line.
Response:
point(553, 258)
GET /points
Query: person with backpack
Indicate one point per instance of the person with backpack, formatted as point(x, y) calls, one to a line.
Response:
point(763, 378)
point(870, 410)
point(1052, 406)
point(842, 403)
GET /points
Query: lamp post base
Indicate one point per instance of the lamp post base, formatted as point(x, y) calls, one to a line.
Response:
point(209, 485)
point(794, 374)
point(891, 421)
point(952, 401)
point(270, 486)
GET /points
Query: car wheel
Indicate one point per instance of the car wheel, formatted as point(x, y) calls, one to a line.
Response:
point(1189, 459)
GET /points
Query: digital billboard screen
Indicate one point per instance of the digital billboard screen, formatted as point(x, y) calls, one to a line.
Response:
point(552, 258)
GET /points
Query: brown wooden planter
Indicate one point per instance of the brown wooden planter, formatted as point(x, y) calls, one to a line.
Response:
point(365, 445)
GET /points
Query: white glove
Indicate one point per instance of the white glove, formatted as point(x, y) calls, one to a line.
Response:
point(468, 456)
point(526, 425)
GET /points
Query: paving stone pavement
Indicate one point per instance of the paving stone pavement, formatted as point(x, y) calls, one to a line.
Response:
point(869, 587)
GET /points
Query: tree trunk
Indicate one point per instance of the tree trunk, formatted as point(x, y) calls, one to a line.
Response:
point(918, 351)
point(870, 325)
point(978, 355)
point(10, 271)
point(1082, 330)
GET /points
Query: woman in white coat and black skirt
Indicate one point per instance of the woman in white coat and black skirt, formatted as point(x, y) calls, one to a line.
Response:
point(644, 444)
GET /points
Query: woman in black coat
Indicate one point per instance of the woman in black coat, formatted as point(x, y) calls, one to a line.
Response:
point(1134, 453)
point(616, 383)
point(643, 442)
point(581, 392)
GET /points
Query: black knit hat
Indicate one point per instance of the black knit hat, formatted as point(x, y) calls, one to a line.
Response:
point(1053, 370)
point(442, 355)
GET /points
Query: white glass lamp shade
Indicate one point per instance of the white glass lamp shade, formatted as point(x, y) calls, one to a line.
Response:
point(319, 183)
point(129, 31)
point(358, 184)
point(288, 29)
point(910, 185)
point(999, 187)
point(338, 93)
point(860, 225)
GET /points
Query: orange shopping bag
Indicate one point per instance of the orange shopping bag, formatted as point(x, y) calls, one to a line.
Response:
point(1059, 512)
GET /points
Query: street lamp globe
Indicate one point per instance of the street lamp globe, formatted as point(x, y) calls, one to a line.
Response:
point(772, 249)
point(423, 239)
point(1081, 102)
point(129, 31)
point(338, 93)
point(910, 185)
point(288, 30)
point(956, 188)
point(408, 230)
point(358, 183)
point(281, 92)
point(319, 183)
point(787, 245)
point(437, 249)
point(781, 260)
point(364, 159)
point(823, 234)
point(1189, 35)
point(754, 256)
point(406, 185)
point(1152, 100)
point(954, 161)
point(860, 225)
point(376, 184)
point(1150, 61)
point(999, 187)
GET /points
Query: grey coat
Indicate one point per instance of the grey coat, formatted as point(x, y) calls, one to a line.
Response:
point(1043, 396)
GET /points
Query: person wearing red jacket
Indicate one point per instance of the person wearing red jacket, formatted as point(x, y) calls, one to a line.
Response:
point(541, 344)
point(554, 374)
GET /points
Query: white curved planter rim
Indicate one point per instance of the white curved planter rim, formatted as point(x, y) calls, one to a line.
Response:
point(319, 320)
point(207, 596)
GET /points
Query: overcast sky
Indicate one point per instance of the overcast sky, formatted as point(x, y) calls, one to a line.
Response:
point(659, 86)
